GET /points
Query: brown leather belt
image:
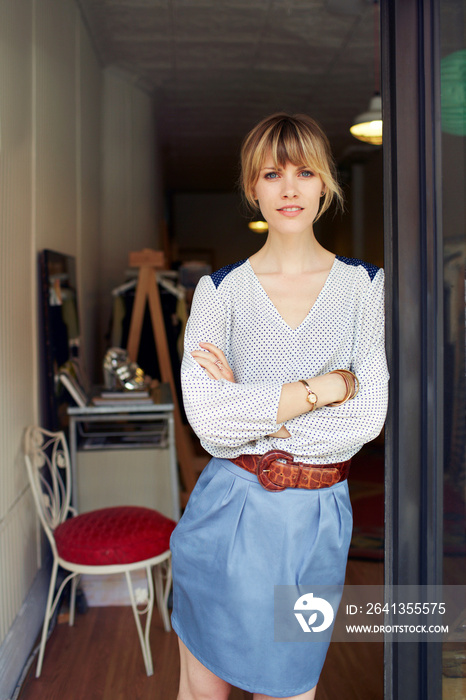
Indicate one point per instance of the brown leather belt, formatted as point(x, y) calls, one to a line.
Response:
point(277, 471)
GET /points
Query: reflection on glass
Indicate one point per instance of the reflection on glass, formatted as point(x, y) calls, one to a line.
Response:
point(60, 334)
point(453, 110)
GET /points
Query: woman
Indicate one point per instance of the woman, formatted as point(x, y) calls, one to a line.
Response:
point(283, 352)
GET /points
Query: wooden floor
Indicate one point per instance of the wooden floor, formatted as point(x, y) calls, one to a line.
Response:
point(100, 659)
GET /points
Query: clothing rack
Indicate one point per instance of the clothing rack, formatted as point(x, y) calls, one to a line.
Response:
point(150, 264)
point(164, 278)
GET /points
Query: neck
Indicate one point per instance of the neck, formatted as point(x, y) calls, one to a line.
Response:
point(294, 255)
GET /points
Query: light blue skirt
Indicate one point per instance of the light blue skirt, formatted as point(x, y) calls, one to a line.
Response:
point(234, 543)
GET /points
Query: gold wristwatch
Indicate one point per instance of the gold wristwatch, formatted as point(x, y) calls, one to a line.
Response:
point(311, 397)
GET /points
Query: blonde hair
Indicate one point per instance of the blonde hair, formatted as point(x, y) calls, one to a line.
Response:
point(296, 139)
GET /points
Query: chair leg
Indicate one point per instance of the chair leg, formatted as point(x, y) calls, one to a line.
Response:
point(147, 610)
point(52, 603)
point(48, 614)
point(161, 571)
point(74, 586)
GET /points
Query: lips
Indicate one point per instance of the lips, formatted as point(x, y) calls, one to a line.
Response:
point(290, 211)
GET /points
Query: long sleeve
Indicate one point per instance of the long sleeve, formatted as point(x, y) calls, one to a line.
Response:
point(222, 413)
point(344, 329)
point(346, 428)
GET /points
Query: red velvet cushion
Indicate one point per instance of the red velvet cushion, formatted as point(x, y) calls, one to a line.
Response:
point(120, 535)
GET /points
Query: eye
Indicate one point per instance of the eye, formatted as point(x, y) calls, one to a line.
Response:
point(271, 176)
point(306, 173)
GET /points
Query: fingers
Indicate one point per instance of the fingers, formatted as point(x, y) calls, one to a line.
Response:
point(213, 360)
point(219, 360)
point(215, 351)
point(208, 363)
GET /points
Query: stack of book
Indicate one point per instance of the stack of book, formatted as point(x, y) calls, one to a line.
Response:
point(135, 397)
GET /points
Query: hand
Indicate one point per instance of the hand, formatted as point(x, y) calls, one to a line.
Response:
point(214, 362)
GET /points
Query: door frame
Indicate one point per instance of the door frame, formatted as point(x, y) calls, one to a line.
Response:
point(414, 274)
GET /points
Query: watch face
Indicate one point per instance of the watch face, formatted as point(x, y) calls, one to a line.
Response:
point(312, 398)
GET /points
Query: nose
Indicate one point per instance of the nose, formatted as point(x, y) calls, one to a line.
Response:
point(288, 187)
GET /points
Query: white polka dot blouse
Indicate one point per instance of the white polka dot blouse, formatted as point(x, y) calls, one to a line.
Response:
point(343, 330)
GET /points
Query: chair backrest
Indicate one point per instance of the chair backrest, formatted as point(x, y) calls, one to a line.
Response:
point(48, 466)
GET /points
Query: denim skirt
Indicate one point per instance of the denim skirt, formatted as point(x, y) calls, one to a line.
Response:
point(234, 543)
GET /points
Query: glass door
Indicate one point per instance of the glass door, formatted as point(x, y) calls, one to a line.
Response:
point(424, 113)
point(453, 147)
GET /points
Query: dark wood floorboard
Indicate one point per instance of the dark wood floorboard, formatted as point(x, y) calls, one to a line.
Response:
point(354, 670)
point(100, 659)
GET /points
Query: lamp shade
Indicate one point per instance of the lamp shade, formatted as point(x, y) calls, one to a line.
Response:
point(368, 125)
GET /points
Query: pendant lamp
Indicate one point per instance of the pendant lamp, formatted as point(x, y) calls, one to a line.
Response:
point(367, 126)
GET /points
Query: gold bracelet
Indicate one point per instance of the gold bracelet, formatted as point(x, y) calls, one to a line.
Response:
point(311, 396)
point(352, 385)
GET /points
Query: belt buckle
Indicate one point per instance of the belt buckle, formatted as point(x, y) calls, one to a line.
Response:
point(262, 468)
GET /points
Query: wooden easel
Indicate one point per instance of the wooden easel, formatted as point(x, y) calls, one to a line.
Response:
point(149, 261)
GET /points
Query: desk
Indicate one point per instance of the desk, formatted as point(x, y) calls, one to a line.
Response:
point(120, 418)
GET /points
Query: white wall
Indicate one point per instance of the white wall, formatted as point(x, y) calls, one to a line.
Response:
point(54, 99)
point(131, 184)
point(18, 392)
point(89, 196)
point(18, 372)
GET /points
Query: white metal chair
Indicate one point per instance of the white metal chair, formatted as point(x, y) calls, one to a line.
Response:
point(105, 541)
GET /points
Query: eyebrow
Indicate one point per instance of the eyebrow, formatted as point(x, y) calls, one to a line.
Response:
point(272, 167)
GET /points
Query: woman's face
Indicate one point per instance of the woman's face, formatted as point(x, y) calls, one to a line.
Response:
point(288, 196)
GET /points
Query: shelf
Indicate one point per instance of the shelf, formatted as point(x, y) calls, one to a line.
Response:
point(122, 435)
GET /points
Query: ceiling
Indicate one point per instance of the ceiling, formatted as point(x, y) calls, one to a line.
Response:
point(215, 67)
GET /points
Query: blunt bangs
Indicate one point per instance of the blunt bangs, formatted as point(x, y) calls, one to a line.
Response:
point(286, 145)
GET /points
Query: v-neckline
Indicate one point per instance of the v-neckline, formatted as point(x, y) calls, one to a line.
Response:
point(316, 301)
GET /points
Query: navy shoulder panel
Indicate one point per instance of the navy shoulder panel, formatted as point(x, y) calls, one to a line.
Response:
point(220, 275)
point(371, 270)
